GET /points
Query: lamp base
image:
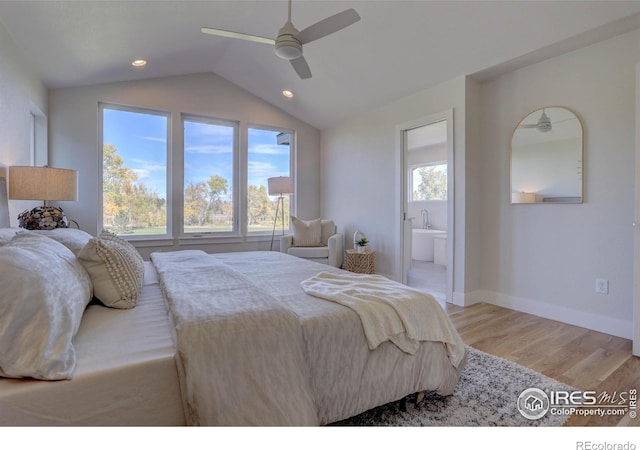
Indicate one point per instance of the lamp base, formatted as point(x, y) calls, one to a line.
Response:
point(43, 218)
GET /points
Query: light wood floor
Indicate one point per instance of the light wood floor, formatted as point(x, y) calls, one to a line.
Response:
point(585, 359)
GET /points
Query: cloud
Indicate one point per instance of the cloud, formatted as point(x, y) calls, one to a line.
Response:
point(142, 173)
point(269, 149)
point(148, 166)
point(208, 149)
point(257, 169)
point(153, 139)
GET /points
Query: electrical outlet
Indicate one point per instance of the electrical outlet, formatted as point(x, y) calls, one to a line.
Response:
point(602, 286)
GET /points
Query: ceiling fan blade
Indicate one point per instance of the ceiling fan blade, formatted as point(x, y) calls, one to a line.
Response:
point(233, 34)
point(532, 125)
point(327, 26)
point(301, 67)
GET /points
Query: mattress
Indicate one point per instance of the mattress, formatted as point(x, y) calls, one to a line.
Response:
point(125, 374)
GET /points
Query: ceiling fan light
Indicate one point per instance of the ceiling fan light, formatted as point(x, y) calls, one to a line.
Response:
point(544, 124)
point(543, 128)
point(288, 50)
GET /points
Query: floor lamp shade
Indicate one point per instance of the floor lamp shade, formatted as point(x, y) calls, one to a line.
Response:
point(280, 185)
point(43, 183)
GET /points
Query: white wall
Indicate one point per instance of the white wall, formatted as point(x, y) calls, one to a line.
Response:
point(73, 136)
point(360, 174)
point(542, 259)
point(545, 258)
point(21, 92)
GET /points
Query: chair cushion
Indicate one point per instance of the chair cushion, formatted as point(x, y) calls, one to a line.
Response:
point(309, 252)
point(306, 233)
point(328, 229)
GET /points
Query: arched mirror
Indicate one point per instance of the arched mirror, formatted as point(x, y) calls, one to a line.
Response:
point(546, 158)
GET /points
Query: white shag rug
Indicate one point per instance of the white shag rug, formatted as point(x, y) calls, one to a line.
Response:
point(485, 396)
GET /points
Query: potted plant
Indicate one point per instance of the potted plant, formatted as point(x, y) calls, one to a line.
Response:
point(361, 244)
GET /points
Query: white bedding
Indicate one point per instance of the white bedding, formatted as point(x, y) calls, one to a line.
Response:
point(125, 373)
point(345, 378)
point(240, 350)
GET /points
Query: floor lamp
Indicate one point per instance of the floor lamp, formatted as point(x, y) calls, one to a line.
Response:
point(279, 186)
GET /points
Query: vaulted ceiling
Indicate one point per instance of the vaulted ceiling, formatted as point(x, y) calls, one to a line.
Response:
point(398, 47)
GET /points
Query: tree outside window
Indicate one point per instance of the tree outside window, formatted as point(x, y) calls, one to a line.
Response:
point(429, 182)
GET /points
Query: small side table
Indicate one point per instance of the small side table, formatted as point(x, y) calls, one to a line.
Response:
point(361, 262)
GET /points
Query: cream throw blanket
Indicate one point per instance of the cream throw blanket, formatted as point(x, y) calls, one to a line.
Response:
point(389, 311)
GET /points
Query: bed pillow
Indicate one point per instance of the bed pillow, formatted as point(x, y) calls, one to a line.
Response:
point(6, 234)
point(43, 294)
point(71, 238)
point(306, 233)
point(116, 269)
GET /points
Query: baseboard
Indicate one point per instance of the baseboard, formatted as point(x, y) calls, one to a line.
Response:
point(608, 325)
point(469, 298)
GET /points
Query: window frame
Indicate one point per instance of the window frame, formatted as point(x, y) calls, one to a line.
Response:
point(168, 235)
point(235, 232)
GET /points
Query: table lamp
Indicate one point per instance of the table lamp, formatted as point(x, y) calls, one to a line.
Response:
point(46, 184)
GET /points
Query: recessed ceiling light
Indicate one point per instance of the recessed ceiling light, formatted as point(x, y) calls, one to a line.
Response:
point(287, 93)
point(139, 63)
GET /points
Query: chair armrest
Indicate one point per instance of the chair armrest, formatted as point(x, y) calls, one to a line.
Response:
point(285, 243)
point(336, 250)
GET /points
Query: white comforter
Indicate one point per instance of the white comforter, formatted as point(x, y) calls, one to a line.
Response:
point(255, 349)
point(241, 355)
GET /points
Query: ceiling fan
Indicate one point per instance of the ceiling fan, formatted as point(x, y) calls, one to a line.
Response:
point(288, 44)
point(543, 125)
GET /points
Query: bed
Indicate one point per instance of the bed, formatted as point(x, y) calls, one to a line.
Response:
point(247, 345)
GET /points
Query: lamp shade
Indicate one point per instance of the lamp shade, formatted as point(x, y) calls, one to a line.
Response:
point(280, 185)
point(42, 183)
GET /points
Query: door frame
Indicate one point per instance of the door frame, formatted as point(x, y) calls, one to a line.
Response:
point(636, 224)
point(404, 250)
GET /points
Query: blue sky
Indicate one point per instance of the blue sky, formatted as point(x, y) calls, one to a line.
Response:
point(141, 142)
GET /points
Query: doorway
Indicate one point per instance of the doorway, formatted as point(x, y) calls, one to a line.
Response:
point(427, 205)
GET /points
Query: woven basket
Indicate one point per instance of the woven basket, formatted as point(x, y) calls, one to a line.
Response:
point(361, 262)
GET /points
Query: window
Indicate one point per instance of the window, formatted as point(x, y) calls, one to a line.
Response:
point(269, 155)
point(134, 170)
point(224, 191)
point(210, 148)
point(429, 182)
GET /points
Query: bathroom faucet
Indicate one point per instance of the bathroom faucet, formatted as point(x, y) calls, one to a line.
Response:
point(426, 219)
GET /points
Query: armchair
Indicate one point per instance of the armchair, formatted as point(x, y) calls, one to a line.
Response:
point(304, 242)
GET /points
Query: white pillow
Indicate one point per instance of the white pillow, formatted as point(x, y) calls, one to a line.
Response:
point(306, 233)
point(43, 294)
point(72, 238)
point(116, 269)
point(328, 228)
point(6, 234)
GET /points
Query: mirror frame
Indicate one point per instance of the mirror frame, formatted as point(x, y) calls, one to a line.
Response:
point(532, 197)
